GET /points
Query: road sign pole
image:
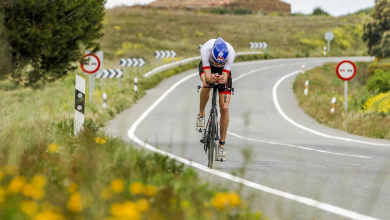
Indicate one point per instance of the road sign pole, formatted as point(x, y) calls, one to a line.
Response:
point(90, 87)
point(328, 45)
point(119, 82)
point(346, 94)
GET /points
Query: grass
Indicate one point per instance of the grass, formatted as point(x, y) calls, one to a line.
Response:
point(137, 32)
point(46, 173)
point(324, 85)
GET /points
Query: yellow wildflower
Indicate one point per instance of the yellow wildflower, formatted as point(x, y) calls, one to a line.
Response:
point(184, 204)
point(57, 168)
point(74, 203)
point(16, 184)
point(1, 175)
point(117, 27)
point(143, 205)
point(206, 204)
point(150, 190)
point(222, 200)
point(73, 187)
point(117, 185)
point(52, 148)
point(136, 188)
point(126, 210)
point(38, 181)
point(234, 199)
point(100, 140)
point(2, 194)
point(28, 207)
point(46, 215)
point(106, 194)
point(29, 190)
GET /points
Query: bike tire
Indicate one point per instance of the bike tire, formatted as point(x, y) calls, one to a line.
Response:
point(211, 142)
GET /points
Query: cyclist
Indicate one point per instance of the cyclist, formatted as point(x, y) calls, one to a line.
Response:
point(217, 60)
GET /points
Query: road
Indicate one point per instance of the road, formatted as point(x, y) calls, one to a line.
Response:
point(297, 169)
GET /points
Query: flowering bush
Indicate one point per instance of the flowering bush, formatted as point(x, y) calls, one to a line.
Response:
point(379, 103)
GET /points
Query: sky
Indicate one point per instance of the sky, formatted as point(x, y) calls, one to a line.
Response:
point(333, 7)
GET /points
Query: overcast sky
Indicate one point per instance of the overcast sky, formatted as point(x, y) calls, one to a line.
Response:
point(334, 7)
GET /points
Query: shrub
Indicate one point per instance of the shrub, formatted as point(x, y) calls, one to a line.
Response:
point(319, 11)
point(220, 11)
point(242, 11)
point(379, 103)
point(378, 66)
point(380, 81)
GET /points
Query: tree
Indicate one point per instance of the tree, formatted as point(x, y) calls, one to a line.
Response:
point(47, 37)
point(319, 11)
point(377, 33)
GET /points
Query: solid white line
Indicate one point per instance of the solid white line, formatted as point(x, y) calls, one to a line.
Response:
point(295, 146)
point(276, 102)
point(323, 206)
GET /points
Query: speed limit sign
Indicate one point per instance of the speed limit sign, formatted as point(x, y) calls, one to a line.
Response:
point(92, 65)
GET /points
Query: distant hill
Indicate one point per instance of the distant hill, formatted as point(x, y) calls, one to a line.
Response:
point(365, 11)
point(254, 5)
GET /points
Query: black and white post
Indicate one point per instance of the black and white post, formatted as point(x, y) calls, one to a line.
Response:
point(79, 104)
point(306, 87)
point(135, 84)
point(104, 100)
point(333, 105)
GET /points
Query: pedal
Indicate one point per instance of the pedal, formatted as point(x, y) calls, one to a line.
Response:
point(199, 87)
point(232, 91)
point(202, 141)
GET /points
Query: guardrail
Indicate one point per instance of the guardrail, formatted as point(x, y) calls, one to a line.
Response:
point(184, 62)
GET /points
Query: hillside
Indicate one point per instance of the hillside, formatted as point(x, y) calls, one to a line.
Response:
point(138, 32)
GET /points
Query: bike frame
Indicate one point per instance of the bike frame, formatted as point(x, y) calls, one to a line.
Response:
point(211, 134)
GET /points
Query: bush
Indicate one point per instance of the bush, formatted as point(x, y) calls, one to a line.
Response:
point(220, 11)
point(378, 66)
point(242, 11)
point(319, 11)
point(380, 81)
point(379, 103)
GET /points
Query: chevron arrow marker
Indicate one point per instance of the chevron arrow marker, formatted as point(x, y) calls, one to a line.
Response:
point(141, 62)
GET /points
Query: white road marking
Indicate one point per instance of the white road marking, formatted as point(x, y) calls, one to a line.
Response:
point(310, 202)
point(276, 102)
point(289, 145)
point(295, 146)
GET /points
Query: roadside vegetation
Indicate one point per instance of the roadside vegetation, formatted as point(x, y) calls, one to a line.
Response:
point(368, 92)
point(368, 98)
point(46, 173)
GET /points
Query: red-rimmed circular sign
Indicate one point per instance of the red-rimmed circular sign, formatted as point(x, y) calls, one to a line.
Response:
point(92, 66)
point(346, 70)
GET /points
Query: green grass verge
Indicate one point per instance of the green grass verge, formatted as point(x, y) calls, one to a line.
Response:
point(324, 85)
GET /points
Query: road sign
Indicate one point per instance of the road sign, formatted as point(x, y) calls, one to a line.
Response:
point(110, 73)
point(346, 70)
point(165, 54)
point(92, 65)
point(132, 62)
point(329, 37)
point(258, 45)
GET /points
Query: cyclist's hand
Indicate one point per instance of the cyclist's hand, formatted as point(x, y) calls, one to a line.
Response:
point(213, 78)
point(222, 79)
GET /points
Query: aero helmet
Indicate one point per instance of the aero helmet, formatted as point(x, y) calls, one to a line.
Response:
point(220, 51)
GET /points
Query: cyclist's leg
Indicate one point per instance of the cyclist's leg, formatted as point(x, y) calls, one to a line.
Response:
point(204, 92)
point(224, 101)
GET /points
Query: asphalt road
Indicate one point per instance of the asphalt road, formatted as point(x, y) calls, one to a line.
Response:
point(288, 150)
